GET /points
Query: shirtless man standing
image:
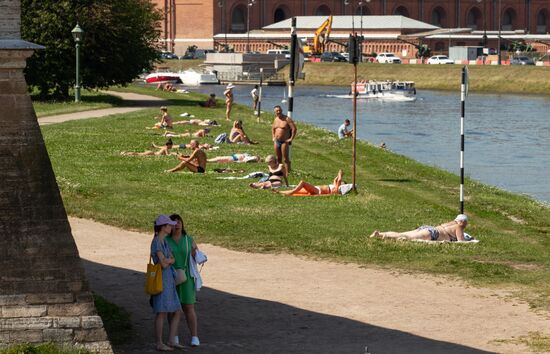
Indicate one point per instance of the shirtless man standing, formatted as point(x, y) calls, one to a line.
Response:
point(450, 231)
point(228, 93)
point(195, 163)
point(283, 131)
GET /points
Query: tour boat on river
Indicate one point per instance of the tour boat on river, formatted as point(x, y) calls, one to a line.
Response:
point(404, 91)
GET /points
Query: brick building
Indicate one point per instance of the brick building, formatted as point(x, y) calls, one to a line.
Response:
point(194, 22)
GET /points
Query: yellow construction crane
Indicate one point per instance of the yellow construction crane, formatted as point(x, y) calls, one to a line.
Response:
point(320, 38)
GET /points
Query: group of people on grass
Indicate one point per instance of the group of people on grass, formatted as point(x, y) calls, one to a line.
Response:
point(175, 251)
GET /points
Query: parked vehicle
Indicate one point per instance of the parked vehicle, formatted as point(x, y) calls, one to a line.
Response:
point(388, 58)
point(332, 57)
point(286, 52)
point(168, 55)
point(522, 60)
point(440, 59)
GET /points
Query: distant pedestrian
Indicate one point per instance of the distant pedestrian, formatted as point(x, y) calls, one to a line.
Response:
point(228, 93)
point(343, 131)
point(255, 97)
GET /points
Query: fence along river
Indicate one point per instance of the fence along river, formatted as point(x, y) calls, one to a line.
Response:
point(507, 136)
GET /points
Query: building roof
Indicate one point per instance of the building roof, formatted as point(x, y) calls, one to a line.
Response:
point(347, 22)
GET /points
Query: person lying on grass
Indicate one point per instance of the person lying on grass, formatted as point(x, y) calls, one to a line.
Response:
point(204, 146)
point(246, 157)
point(165, 120)
point(237, 134)
point(201, 133)
point(162, 150)
point(277, 173)
point(195, 163)
point(307, 189)
point(450, 231)
point(201, 122)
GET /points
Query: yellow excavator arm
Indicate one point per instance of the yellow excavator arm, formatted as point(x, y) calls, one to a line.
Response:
point(321, 36)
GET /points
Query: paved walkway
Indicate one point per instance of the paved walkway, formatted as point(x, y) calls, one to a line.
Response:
point(135, 102)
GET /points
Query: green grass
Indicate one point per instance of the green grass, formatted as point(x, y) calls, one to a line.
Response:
point(183, 64)
point(89, 100)
point(116, 321)
point(395, 193)
point(47, 348)
point(488, 78)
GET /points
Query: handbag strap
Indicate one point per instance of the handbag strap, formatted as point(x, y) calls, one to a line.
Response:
point(186, 252)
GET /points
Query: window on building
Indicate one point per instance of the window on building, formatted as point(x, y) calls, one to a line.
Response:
point(401, 11)
point(280, 15)
point(438, 17)
point(542, 21)
point(439, 46)
point(323, 10)
point(238, 20)
point(362, 10)
point(474, 19)
point(508, 19)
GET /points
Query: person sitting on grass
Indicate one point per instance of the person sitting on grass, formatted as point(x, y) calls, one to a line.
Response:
point(343, 131)
point(201, 122)
point(210, 102)
point(306, 189)
point(201, 133)
point(237, 134)
point(450, 231)
point(277, 173)
point(162, 150)
point(165, 120)
point(238, 157)
point(195, 163)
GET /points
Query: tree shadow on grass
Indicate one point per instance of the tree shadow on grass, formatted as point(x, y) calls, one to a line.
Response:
point(398, 180)
point(230, 323)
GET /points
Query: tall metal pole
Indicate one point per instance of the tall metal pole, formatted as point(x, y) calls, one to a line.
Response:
point(248, 4)
point(463, 89)
point(77, 83)
point(354, 151)
point(499, 30)
point(259, 107)
point(291, 78)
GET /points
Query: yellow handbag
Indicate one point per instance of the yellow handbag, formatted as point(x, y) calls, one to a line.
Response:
point(153, 278)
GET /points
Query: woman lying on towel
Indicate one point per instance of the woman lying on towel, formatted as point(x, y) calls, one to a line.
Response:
point(450, 231)
point(202, 122)
point(162, 150)
point(235, 158)
point(307, 189)
point(277, 173)
point(201, 133)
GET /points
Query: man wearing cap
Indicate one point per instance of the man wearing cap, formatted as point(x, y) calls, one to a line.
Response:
point(450, 231)
point(228, 93)
point(195, 163)
point(283, 131)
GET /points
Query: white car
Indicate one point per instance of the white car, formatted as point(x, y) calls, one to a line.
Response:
point(386, 58)
point(440, 59)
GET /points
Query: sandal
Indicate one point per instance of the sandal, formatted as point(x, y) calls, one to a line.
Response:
point(176, 346)
point(164, 348)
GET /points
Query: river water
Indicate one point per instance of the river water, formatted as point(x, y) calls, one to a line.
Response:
point(507, 137)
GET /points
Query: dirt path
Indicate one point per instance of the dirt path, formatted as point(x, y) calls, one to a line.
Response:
point(267, 303)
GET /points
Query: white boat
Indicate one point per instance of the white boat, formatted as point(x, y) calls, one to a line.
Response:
point(191, 77)
point(404, 91)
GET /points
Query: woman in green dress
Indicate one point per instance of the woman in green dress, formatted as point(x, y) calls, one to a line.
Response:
point(183, 248)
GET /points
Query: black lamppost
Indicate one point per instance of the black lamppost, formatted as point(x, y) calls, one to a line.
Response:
point(223, 24)
point(361, 42)
point(77, 33)
point(484, 39)
point(499, 30)
point(249, 4)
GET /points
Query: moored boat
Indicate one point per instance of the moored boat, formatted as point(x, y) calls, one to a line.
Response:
point(383, 90)
point(162, 77)
point(192, 77)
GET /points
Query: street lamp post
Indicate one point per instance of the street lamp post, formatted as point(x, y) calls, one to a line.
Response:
point(223, 24)
point(77, 33)
point(361, 31)
point(249, 4)
point(484, 40)
point(499, 30)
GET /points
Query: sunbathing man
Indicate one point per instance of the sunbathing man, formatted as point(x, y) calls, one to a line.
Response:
point(163, 150)
point(237, 134)
point(277, 173)
point(201, 122)
point(306, 189)
point(201, 133)
point(210, 102)
point(283, 131)
point(246, 157)
point(165, 120)
point(450, 231)
point(195, 163)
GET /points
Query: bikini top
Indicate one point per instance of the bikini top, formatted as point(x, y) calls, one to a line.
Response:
point(278, 172)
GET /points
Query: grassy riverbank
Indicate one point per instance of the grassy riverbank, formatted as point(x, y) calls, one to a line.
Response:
point(503, 79)
point(395, 193)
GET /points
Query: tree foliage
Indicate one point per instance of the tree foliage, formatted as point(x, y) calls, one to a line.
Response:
point(120, 41)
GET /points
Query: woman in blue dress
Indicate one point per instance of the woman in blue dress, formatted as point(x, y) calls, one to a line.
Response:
point(167, 301)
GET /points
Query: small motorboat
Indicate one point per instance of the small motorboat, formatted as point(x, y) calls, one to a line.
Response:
point(192, 77)
point(162, 77)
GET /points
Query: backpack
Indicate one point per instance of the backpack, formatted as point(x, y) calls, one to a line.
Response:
point(220, 139)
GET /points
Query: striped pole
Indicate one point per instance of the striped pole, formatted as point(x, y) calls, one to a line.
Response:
point(291, 78)
point(463, 93)
point(259, 106)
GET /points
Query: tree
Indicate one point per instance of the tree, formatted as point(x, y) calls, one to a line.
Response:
point(120, 42)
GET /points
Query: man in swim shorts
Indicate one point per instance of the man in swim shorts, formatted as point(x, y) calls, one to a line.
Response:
point(195, 163)
point(283, 131)
point(450, 231)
